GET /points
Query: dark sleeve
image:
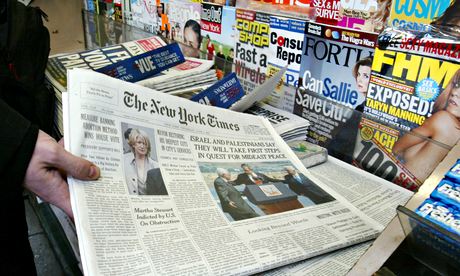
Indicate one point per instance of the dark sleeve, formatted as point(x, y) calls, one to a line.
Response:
point(270, 179)
point(342, 145)
point(221, 191)
point(17, 143)
point(155, 183)
point(286, 179)
point(233, 183)
point(239, 180)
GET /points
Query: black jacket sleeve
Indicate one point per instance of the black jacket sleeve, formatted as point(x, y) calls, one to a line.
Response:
point(17, 143)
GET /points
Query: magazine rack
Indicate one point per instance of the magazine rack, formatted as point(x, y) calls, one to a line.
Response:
point(100, 31)
point(432, 245)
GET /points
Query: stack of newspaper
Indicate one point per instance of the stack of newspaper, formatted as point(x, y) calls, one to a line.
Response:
point(192, 75)
point(289, 126)
point(56, 69)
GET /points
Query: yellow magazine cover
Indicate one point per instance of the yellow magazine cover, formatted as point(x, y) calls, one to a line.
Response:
point(414, 89)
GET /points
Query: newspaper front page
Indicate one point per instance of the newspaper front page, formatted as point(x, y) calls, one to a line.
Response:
point(187, 188)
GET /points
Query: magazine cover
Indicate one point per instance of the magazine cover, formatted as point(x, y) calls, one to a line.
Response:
point(333, 125)
point(374, 143)
point(183, 18)
point(301, 9)
point(404, 86)
point(218, 36)
point(362, 15)
point(414, 89)
point(141, 14)
point(334, 75)
point(336, 63)
point(251, 47)
point(286, 40)
point(417, 14)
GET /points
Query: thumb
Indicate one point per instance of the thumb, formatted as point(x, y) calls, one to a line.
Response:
point(77, 167)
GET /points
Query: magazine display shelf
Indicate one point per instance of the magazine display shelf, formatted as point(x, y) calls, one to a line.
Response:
point(394, 234)
point(429, 243)
point(127, 33)
point(100, 31)
point(109, 32)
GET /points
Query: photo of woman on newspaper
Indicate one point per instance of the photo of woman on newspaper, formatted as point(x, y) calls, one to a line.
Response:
point(142, 173)
point(420, 155)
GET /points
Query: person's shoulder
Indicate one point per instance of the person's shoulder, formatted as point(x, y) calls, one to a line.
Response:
point(128, 157)
point(154, 172)
point(442, 118)
point(153, 162)
point(218, 181)
point(440, 114)
point(442, 121)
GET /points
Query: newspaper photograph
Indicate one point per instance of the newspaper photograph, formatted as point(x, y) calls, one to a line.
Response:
point(187, 188)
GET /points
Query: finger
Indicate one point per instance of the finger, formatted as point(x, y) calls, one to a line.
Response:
point(61, 142)
point(62, 197)
point(77, 167)
point(56, 191)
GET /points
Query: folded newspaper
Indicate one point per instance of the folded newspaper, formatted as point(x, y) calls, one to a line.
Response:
point(192, 189)
point(188, 75)
point(289, 126)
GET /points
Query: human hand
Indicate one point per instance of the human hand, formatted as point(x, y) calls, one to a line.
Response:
point(232, 204)
point(48, 167)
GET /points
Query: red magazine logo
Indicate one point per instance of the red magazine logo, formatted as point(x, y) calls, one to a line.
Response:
point(211, 27)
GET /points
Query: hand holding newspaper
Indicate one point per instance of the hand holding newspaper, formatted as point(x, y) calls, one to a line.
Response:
point(177, 193)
